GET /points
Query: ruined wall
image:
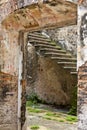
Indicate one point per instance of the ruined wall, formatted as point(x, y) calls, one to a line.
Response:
point(44, 76)
point(11, 116)
point(8, 101)
point(53, 84)
point(9, 65)
point(31, 68)
point(8, 79)
point(65, 37)
point(14, 19)
point(48, 80)
point(82, 66)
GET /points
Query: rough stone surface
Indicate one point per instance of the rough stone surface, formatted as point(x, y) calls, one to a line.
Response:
point(17, 16)
point(32, 65)
point(8, 80)
point(48, 80)
point(51, 86)
point(66, 37)
point(8, 101)
point(82, 66)
point(40, 15)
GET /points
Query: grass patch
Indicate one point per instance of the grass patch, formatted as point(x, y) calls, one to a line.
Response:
point(54, 119)
point(71, 118)
point(48, 118)
point(34, 110)
point(73, 109)
point(30, 103)
point(61, 120)
point(34, 127)
point(50, 114)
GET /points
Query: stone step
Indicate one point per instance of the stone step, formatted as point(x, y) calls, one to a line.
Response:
point(64, 58)
point(57, 54)
point(47, 46)
point(41, 34)
point(69, 67)
point(38, 38)
point(68, 63)
point(37, 34)
point(52, 50)
point(42, 42)
point(73, 73)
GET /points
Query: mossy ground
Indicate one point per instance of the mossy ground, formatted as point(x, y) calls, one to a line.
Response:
point(49, 114)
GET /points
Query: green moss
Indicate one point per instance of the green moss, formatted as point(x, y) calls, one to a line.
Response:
point(34, 110)
point(48, 118)
point(58, 47)
point(73, 109)
point(34, 127)
point(61, 120)
point(53, 43)
point(50, 114)
point(33, 99)
point(71, 118)
point(29, 103)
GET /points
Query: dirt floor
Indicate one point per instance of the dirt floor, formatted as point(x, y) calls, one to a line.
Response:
point(45, 117)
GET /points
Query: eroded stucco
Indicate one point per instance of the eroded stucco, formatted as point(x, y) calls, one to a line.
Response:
point(17, 16)
point(82, 65)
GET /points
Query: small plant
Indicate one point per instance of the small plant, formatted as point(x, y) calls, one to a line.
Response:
point(34, 127)
point(73, 109)
point(29, 103)
point(33, 99)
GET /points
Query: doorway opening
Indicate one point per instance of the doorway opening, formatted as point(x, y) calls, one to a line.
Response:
point(51, 75)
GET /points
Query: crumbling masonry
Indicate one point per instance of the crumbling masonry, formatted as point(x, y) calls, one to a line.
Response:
point(17, 17)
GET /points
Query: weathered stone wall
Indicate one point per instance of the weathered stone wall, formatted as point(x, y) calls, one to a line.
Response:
point(53, 84)
point(9, 52)
point(44, 76)
point(82, 66)
point(13, 20)
point(8, 101)
point(31, 67)
point(48, 80)
point(8, 79)
point(65, 37)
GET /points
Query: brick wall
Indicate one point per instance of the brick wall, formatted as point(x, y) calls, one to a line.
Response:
point(8, 101)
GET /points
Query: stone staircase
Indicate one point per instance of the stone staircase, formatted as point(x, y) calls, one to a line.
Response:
point(46, 47)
